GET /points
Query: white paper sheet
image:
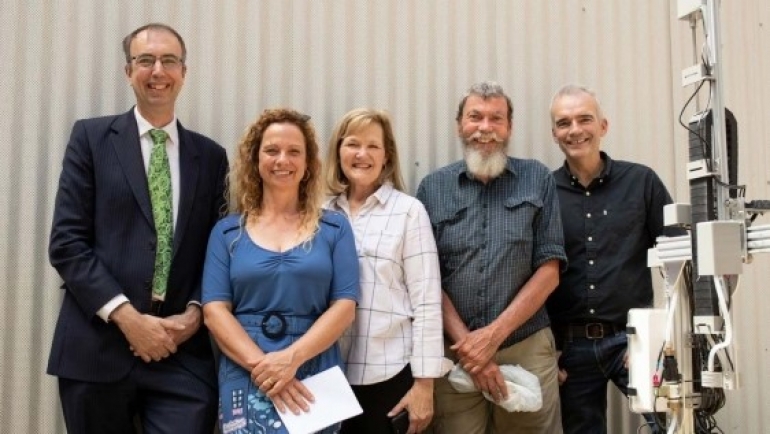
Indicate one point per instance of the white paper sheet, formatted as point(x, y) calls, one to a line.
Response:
point(334, 402)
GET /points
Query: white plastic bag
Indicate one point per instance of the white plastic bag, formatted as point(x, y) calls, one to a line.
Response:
point(524, 392)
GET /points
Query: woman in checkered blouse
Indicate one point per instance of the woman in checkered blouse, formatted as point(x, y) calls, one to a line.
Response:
point(394, 349)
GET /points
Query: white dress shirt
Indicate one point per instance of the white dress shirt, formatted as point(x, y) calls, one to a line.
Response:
point(172, 150)
point(398, 318)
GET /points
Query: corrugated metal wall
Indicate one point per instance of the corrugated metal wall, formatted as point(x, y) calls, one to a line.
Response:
point(62, 61)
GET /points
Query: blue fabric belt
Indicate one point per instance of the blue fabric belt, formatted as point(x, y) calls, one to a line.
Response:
point(276, 325)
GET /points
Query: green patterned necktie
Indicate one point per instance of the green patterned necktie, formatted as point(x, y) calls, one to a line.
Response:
point(159, 179)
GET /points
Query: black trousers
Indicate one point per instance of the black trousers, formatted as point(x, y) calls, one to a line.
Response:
point(164, 396)
point(377, 400)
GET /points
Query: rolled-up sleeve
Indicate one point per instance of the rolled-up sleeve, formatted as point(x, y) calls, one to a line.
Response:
point(548, 230)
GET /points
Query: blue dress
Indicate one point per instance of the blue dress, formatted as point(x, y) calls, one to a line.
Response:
point(276, 296)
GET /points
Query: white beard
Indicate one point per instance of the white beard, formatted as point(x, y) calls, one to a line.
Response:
point(485, 167)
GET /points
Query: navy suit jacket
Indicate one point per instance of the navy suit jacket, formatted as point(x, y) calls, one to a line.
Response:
point(103, 244)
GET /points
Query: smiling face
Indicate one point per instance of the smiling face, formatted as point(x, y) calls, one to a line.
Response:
point(578, 126)
point(362, 157)
point(484, 124)
point(282, 156)
point(157, 87)
point(484, 129)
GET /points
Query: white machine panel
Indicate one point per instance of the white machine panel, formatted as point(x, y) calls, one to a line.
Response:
point(719, 248)
point(686, 7)
point(643, 348)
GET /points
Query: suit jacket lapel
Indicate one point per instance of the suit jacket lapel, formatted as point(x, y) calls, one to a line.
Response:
point(188, 180)
point(125, 141)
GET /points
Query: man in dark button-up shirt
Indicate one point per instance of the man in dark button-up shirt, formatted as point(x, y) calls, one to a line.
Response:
point(612, 213)
point(499, 238)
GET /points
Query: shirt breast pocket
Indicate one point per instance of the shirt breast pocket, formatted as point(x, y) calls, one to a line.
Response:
point(520, 216)
point(454, 239)
point(382, 245)
point(452, 230)
point(624, 221)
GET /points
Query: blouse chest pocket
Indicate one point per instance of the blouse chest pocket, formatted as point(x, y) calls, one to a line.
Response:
point(381, 244)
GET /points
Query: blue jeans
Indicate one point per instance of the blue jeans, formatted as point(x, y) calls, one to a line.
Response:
point(590, 364)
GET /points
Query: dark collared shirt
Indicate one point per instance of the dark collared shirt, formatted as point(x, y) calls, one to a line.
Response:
point(492, 237)
point(608, 228)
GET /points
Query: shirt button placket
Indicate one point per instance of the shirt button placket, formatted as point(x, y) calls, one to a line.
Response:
point(485, 234)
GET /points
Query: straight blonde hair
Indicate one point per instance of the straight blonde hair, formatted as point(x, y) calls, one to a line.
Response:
point(350, 123)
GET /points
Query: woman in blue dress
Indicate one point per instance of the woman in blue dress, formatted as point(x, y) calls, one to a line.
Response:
point(280, 280)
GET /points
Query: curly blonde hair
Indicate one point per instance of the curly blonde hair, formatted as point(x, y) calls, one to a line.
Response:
point(246, 187)
point(350, 123)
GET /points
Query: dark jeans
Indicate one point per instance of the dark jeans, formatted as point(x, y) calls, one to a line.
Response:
point(590, 365)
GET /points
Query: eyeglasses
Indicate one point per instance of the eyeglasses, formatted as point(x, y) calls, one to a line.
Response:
point(168, 61)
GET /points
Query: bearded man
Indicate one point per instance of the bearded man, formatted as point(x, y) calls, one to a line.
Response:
point(499, 236)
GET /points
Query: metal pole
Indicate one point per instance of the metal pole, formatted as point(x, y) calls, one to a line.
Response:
point(719, 145)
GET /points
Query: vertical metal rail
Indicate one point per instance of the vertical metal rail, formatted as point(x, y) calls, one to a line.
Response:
point(718, 138)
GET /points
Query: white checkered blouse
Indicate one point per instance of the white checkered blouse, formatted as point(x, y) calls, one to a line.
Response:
point(398, 319)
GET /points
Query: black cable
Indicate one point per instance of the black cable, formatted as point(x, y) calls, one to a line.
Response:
point(740, 188)
point(703, 141)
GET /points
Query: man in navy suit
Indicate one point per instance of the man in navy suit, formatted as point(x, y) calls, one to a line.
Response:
point(119, 352)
